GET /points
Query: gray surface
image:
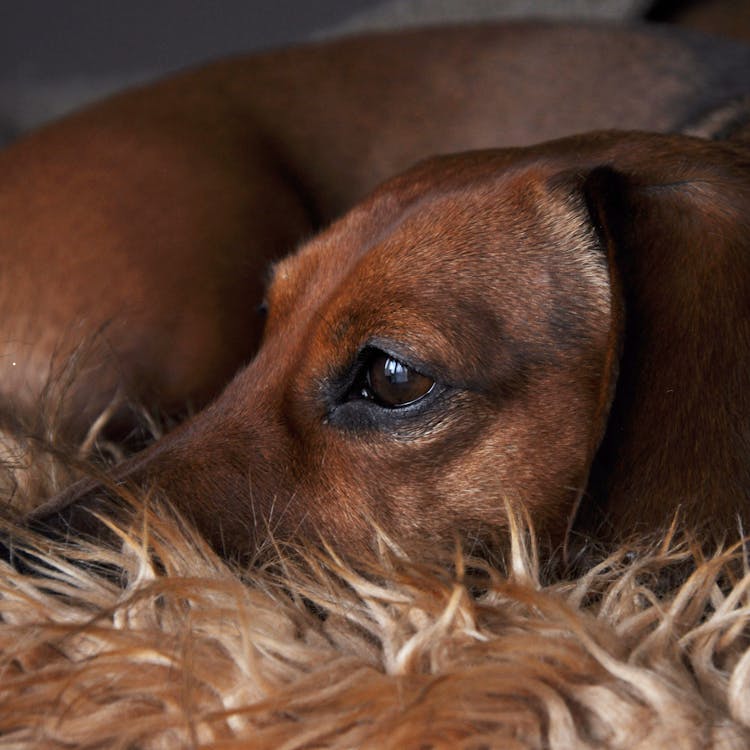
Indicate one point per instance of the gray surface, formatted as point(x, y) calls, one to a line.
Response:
point(404, 13)
point(54, 39)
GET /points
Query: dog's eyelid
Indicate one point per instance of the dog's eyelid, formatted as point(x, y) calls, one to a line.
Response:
point(398, 351)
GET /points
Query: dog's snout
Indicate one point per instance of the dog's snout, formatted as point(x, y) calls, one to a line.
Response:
point(78, 513)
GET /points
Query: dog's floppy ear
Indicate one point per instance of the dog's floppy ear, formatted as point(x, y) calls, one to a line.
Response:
point(674, 225)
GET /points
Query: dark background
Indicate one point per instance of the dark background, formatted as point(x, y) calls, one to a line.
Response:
point(52, 39)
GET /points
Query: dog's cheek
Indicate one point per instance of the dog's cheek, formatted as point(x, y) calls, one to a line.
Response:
point(380, 481)
point(531, 456)
point(380, 485)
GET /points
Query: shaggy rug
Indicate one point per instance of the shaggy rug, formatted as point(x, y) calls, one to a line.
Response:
point(160, 644)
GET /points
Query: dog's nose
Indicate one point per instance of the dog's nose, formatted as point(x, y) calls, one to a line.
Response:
point(77, 514)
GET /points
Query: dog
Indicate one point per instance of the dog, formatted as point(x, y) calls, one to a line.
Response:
point(527, 327)
point(484, 330)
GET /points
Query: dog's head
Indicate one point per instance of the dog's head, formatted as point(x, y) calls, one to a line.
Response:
point(452, 346)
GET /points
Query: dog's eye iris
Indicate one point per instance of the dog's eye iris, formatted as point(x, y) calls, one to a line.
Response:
point(391, 383)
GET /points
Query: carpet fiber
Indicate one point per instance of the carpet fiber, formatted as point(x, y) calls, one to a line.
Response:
point(160, 644)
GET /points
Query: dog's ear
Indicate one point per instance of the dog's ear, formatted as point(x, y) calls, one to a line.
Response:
point(640, 224)
point(675, 230)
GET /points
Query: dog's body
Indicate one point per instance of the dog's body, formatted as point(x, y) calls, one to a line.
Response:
point(465, 338)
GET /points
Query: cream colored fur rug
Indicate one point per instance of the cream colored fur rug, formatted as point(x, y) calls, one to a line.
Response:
point(169, 647)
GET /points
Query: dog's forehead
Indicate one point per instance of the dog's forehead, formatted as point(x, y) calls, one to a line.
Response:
point(521, 208)
point(450, 219)
point(427, 223)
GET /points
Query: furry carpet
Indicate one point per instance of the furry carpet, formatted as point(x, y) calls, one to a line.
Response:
point(160, 644)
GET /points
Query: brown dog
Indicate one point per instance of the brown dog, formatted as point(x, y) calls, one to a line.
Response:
point(449, 346)
point(526, 326)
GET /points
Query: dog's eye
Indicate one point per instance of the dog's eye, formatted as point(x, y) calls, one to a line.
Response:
point(391, 383)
